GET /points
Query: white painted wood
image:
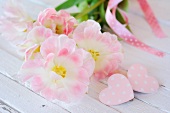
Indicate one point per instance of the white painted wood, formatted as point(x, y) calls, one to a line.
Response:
point(27, 101)
point(21, 98)
point(6, 109)
point(142, 31)
point(135, 106)
point(11, 71)
point(94, 90)
point(160, 99)
point(159, 7)
point(157, 67)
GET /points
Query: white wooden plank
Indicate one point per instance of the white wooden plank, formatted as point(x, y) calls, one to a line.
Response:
point(10, 48)
point(15, 63)
point(8, 56)
point(9, 68)
point(142, 31)
point(21, 99)
point(157, 67)
point(159, 7)
point(28, 7)
point(141, 22)
point(6, 109)
point(141, 28)
point(130, 107)
point(88, 105)
point(42, 4)
point(160, 99)
point(53, 4)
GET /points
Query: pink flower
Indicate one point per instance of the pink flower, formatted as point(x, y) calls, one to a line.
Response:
point(104, 48)
point(35, 38)
point(59, 22)
point(62, 74)
point(14, 22)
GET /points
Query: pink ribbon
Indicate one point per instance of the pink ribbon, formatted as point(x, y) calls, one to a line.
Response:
point(151, 19)
point(122, 32)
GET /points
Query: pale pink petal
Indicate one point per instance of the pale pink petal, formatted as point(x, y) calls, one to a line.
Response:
point(48, 93)
point(76, 57)
point(89, 27)
point(77, 89)
point(37, 84)
point(14, 20)
point(49, 46)
point(83, 76)
point(39, 34)
point(63, 73)
point(104, 47)
point(33, 64)
point(59, 22)
point(58, 45)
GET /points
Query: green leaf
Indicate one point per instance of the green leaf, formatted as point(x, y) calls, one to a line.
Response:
point(120, 18)
point(84, 18)
point(74, 14)
point(124, 5)
point(102, 13)
point(93, 2)
point(83, 5)
point(68, 4)
point(86, 11)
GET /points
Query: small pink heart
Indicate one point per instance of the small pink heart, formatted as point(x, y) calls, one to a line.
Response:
point(140, 81)
point(119, 91)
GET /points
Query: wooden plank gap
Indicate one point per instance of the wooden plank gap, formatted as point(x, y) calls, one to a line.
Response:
point(6, 108)
point(105, 83)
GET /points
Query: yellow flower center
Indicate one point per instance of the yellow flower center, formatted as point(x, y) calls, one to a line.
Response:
point(25, 30)
point(94, 54)
point(37, 50)
point(60, 70)
point(58, 29)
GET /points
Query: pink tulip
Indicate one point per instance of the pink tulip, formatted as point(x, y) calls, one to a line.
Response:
point(59, 22)
point(104, 47)
point(32, 44)
point(14, 22)
point(63, 72)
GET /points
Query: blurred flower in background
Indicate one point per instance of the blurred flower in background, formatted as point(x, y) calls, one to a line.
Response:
point(14, 22)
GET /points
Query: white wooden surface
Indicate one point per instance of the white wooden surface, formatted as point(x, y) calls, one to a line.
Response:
point(15, 98)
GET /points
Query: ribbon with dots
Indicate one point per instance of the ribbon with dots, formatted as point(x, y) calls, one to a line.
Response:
point(122, 32)
point(151, 19)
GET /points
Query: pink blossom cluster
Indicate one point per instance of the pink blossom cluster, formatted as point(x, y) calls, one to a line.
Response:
point(61, 55)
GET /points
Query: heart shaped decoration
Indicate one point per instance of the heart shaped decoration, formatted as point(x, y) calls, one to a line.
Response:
point(140, 81)
point(118, 91)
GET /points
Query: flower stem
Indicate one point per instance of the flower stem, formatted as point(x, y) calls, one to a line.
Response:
point(86, 11)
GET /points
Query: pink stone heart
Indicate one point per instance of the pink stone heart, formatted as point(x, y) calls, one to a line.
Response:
point(118, 91)
point(140, 81)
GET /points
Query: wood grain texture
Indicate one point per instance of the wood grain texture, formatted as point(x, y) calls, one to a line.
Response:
point(159, 7)
point(157, 67)
point(21, 98)
point(25, 101)
point(95, 88)
point(138, 104)
point(7, 85)
point(142, 31)
point(4, 108)
point(12, 94)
